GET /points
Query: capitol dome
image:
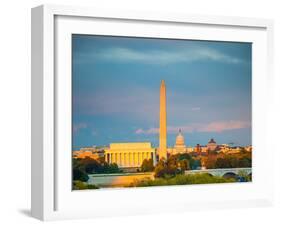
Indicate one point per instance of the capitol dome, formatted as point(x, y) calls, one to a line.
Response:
point(180, 139)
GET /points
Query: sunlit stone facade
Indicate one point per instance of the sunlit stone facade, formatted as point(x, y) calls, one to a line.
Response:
point(162, 123)
point(212, 145)
point(129, 154)
point(179, 147)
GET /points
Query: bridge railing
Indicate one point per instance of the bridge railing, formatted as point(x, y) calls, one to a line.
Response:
point(219, 171)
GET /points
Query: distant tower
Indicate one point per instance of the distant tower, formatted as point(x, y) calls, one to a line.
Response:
point(163, 122)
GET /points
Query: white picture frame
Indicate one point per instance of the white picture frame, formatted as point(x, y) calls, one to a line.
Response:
point(52, 197)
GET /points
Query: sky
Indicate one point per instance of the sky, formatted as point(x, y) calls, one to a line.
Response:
point(116, 82)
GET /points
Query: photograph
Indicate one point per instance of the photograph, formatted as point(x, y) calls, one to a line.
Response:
point(159, 112)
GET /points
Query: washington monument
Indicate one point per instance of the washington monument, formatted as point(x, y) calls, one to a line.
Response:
point(163, 123)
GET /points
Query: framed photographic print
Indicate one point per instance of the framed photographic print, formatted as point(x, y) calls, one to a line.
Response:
point(136, 113)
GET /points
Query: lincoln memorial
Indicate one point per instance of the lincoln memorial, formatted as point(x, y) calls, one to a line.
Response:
point(129, 154)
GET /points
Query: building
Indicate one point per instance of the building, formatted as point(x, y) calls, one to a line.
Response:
point(212, 145)
point(249, 148)
point(197, 149)
point(90, 152)
point(179, 147)
point(200, 150)
point(129, 154)
point(224, 148)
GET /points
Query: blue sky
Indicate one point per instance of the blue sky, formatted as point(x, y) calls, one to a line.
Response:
point(116, 81)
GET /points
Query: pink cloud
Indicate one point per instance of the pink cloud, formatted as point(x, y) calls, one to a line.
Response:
point(217, 126)
point(224, 125)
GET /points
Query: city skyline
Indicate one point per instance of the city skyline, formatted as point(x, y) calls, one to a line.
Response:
point(116, 90)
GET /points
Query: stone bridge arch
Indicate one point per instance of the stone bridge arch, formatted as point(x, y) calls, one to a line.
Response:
point(221, 172)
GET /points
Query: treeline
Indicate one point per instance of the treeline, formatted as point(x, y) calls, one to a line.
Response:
point(228, 161)
point(83, 167)
point(176, 164)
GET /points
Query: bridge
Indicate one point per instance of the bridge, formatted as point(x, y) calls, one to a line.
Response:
point(222, 172)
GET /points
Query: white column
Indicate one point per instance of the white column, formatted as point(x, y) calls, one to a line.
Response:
point(128, 159)
point(113, 158)
point(133, 156)
point(118, 159)
point(140, 159)
point(122, 158)
point(125, 159)
point(132, 159)
point(148, 155)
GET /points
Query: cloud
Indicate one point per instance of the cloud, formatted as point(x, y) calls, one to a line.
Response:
point(217, 126)
point(195, 109)
point(133, 101)
point(182, 55)
point(224, 125)
point(78, 126)
point(149, 131)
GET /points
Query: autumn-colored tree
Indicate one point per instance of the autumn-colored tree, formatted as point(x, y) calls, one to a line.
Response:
point(147, 165)
point(210, 161)
point(160, 169)
point(184, 164)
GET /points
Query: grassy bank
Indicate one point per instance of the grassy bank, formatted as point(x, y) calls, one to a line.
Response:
point(182, 180)
point(79, 185)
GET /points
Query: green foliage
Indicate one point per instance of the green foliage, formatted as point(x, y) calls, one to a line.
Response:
point(175, 164)
point(92, 166)
point(168, 168)
point(245, 162)
point(147, 165)
point(194, 163)
point(233, 162)
point(78, 171)
point(110, 168)
point(79, 185)
point(222, 163)
point(184, 164)
point(160, 169)
point(183, 156)
point(79, 174)
point(244, 174)
point(182, 180)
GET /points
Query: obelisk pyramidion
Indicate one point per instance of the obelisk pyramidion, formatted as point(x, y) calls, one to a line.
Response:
point(163, 123)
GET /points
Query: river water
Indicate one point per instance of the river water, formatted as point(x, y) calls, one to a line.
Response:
point(117, 180)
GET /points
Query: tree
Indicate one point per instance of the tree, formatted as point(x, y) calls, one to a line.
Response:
point(160, 169)
point(89, 166)
point(222, 163)
point(78, 171)
point(210, 162)
point(184, 164)
point(168, 169)
point(147, 165)
point(80, 175)
point(110, 168)
point(183, 156)
point(245, 162)
point(194, 163)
